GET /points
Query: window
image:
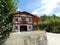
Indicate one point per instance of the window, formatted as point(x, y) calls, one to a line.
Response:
point(30, 20)
point(16, 19)
point(29, 27)
point(23, 18)
point(16, 27)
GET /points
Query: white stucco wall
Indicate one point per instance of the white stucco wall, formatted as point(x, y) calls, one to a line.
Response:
point(19, 17)
point(31, 27)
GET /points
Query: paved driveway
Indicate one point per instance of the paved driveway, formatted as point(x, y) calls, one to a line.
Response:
point(53, 39)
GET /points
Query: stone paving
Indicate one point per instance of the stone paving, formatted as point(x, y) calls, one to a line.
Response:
point(27, 38)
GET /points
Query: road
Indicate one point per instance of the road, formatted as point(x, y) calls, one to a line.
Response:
point(53, 39)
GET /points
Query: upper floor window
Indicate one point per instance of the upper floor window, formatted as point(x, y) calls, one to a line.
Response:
point(23, 18)
point(30, 19)
point(16, 19)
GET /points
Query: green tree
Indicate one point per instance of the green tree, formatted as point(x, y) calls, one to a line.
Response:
point(50, 23)
point(6, 7)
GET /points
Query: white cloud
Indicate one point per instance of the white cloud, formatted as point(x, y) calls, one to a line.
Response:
point(58, 14)
point(18, 9)
point(48, 7)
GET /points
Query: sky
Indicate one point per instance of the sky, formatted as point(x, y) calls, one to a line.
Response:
point(40, 7)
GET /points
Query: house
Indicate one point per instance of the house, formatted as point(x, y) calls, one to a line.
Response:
point(23, 21)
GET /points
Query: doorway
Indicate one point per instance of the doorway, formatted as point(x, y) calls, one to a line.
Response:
point(23, 28)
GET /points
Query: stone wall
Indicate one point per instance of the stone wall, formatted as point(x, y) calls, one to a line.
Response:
point(27, 38)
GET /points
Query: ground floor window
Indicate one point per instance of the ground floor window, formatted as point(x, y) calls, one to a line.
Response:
point(16, 28)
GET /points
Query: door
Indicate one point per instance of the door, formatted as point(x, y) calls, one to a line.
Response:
point(23, 28)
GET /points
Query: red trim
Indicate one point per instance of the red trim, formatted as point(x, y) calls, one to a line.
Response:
point(34, 16)
point(22, 16)
point(23, 23)
point(24, 12)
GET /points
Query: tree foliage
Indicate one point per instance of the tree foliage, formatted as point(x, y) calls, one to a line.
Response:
point(6, 7)
point(50, 23)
